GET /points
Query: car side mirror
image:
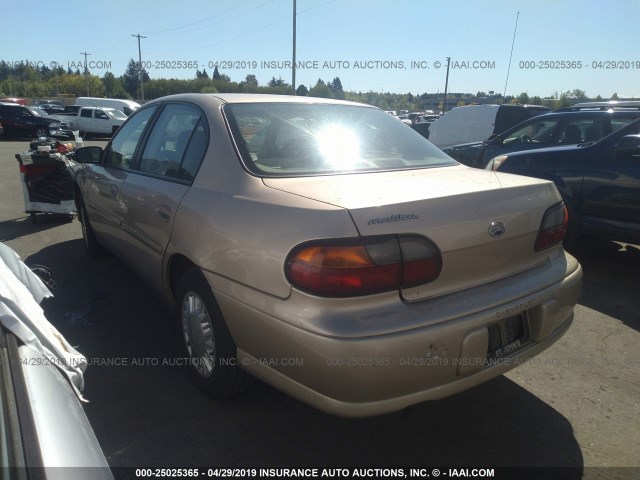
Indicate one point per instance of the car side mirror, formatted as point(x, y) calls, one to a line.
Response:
point(88, 155)
point(627, 146)
point(494, 139)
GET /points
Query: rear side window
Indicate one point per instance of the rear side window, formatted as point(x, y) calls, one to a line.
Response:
point(615, 123)
point(85, 112)
point(176, 144)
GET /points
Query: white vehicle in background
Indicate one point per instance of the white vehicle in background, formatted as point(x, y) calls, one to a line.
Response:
point(94, 120)
point(476, 123)
point(125, 106)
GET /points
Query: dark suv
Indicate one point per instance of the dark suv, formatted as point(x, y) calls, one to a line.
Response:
point(568, 126)
point(21, 121)
point(599, 182)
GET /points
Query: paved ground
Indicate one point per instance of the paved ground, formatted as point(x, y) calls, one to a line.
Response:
point(577, 405)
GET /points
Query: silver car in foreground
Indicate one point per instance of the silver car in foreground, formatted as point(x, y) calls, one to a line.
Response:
point(328, 250)
point(44, 431)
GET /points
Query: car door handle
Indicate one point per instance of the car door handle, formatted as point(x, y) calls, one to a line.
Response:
point(163, 212)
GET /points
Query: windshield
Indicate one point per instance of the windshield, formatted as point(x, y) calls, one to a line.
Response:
point(38, 112)
point(117, 114)
point(290, 139)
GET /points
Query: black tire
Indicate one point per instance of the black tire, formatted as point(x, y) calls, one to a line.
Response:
point(91, 244)
point(41, 132)
point(33, 217)
point(213, 355)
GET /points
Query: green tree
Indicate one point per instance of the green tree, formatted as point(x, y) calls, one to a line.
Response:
point(336, 88)
point(321, 90)
point(302, 91)
point(113, 86)
point(578, 95)
point(251, 80)
point(131, 78)
point(277, 83)
point(216, 73)
point(523, 99)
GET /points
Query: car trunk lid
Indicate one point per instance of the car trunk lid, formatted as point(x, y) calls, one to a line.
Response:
point(455, 207)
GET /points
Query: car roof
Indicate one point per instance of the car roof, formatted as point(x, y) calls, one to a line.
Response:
point(579, 146)
point(562, 112)
point(231, 98)
point(595, 106)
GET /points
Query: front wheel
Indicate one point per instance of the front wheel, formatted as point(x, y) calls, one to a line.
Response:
point(211, 350)
point(41, 132)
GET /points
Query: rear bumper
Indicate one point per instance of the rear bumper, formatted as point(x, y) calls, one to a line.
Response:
point(384, 355)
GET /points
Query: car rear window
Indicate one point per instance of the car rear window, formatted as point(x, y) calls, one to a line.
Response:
point(291, 139)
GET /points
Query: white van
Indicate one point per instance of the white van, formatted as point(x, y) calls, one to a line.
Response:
point(476, 123)
point(125, 106)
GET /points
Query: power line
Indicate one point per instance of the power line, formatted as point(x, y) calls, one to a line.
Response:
point(209, 25)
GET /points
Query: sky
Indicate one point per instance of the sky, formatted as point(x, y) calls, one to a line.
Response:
point(394, 46)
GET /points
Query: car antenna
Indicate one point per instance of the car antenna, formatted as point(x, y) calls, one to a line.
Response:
point(513, 42)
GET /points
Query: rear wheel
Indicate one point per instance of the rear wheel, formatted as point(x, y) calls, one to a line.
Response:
point(208, 343)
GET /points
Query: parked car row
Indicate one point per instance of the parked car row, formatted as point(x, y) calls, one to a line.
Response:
point(19, 120)
point(591, 151)
point(565, 127)
point(50, 118)
point(476, 123)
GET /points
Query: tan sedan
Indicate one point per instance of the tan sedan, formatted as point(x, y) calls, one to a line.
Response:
point(328, 250)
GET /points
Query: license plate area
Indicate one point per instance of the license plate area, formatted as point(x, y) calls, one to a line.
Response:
point(508, 335)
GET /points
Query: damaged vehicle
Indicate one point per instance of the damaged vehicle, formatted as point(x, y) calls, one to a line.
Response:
point(328, 250)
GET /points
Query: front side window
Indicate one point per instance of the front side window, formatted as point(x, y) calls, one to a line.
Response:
point(536, 131)
point(124, 143)
point(101, 115)
point(294, 139)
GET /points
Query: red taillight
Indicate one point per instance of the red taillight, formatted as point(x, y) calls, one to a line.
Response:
point(553, 227)
point(355, 267)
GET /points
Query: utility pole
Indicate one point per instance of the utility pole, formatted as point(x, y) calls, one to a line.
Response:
point(138, 36)
point(86, 71)
point(446, 85)
point(293, 65)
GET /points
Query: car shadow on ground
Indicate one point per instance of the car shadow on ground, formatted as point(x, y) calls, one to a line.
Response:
point(22, 226)
point(611, 279)
point(147, 413)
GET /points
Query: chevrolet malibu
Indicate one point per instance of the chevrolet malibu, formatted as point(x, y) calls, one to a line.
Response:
point(328, 250)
